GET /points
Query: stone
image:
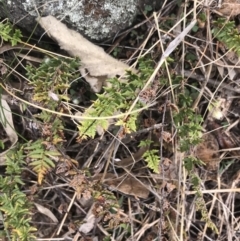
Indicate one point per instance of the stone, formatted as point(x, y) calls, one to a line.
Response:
point(95, 19)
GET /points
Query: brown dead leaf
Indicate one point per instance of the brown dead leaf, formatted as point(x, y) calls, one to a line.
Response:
point(168, 170)
point(63, 208)
point(207, 151)
point(226, 140)
point(33, 189)
point(166, 136)
point(230, 8)
point(96, 65)
point(130, 186)
point(79, 183)
point(127, 185)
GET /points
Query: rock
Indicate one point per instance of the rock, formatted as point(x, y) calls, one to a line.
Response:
point(95, 19)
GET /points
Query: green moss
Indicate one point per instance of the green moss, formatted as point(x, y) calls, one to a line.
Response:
point(95, 19)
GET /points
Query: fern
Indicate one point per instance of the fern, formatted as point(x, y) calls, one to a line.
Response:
point(188, 123)
point(8, 33)
point(13, 202)
point(200, 203)
point(152, 158)
point(42, 160)
point(190, 161)
point(51, 80)
point(226, 32)
point(118, 97)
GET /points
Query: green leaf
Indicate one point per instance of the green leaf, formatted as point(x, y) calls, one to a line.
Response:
point(153, 159)
point(145, 143)
point(52, 153)
point(195, 28)
point(48, 162)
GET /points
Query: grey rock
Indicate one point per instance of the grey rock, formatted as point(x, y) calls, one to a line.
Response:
point(95, 19)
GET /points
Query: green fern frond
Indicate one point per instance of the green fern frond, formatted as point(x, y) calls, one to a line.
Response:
point(13, 202)
point(153, 160)
point(51, 79)
point(188, 122)
point(7, 33)
point(226, 32)
point(42, 160)
point(151, 156)
point(117, 98)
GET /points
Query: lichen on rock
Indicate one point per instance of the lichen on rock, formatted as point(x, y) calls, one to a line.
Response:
point(96, 19)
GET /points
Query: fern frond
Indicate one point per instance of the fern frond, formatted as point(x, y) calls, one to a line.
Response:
point(52, 78)
point(200, 202)
point(41, 159)
point(7, 33)
point(13, 202)
point(117, 98)
point(153, 160)
point(226, 32)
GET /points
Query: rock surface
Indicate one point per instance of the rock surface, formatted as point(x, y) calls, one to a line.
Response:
point(96, 19)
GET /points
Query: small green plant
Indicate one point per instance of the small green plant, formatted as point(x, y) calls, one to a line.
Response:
point(13, 202)
point(152, 159)
point(190, 133)
point(9, 34)
point(14, 206)
point(226, 32)
point(52, 79)
point(118, 97)
point(200, 202)
point(151, 156)
point(116, 51)
point(148, 9)
point(188, 123)
point(202, 17)
point(190, 162)
point(42, 159)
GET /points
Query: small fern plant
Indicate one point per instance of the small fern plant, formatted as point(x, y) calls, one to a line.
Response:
point(50, 82)
point(151, 156)
point(41, 159)
point(190, 132)
point(200, 202)
point(9, 34)
point(226, 32)
point(15, 208)
point(117, 98)
point(188, 122)
point(14, 204)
